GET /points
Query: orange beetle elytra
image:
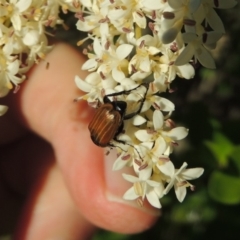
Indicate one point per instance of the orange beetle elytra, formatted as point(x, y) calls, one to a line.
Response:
point(107, 122)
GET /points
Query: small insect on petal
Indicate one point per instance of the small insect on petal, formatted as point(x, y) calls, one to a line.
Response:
point(107, 122)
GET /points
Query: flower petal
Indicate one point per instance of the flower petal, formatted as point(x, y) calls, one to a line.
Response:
point(153, 199)
point(164, 104)
point(205, 58)
point(158, 120)
point(23, 5)
point(180, 192)
point(138, 120)
point(192, 173)
point(169, 35)
point(177, 133)
point(143, 135)
point(130, 178)
point(215, 21)
point(124, 50)
point(185, 56)
point(167, 168)
point(194, 5)
point(139, 20)
point(117, 75)
point(160, 147)
point(119, 163)
point(186, 71)
point(146, 173)
point(90, 65)
point(130, 194)
point(86, 87)
point(97, 47)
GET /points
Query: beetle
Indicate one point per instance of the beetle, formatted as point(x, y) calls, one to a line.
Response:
point(107, 122)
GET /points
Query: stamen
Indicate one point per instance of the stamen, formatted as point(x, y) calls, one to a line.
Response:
point(126, 157)
point(156, 106)
point(189, 22)
point(140, 14)
point(102, 76)
point(154, 14)
point(142, 44)
point(170, 123)
point(168, 15)
point(107, 45)
point(164, 159)
point(140, 202)
point(143, 167)
point(139, 163)
point(150, 131)
point(126, 30)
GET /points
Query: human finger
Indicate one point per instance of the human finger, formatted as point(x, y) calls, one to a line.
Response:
point(46, 106)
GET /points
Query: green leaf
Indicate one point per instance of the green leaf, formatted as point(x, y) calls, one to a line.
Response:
point(194, 209)
point(236, 157)
point(221, 148)
point(224, 188)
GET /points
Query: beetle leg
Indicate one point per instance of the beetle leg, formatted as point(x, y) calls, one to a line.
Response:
point(120, 141)
point(130, 115)
point(125, 91)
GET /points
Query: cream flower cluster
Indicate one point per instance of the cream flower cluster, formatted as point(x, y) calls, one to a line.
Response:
point(23, 40)
point(138, 48)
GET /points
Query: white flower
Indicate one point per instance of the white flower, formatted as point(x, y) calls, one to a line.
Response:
point(145, 49)
point(95, 21)
point(123, 18)
point(31, 38)
point(19, 7)
point(108, 59)
point(152, 190)
point(173, 18)
point(197, 47)
point(126, 153)
point(163, 137)
point(94, 58)
point(114, 61)
point(92, 85)
point(171, 70)
point(178, 178)
point(206, 10)
point(9, 68)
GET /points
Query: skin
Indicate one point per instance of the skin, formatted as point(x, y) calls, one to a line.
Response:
point(49, 166)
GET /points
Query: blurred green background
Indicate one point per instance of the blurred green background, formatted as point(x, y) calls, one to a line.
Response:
point(209, 105)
